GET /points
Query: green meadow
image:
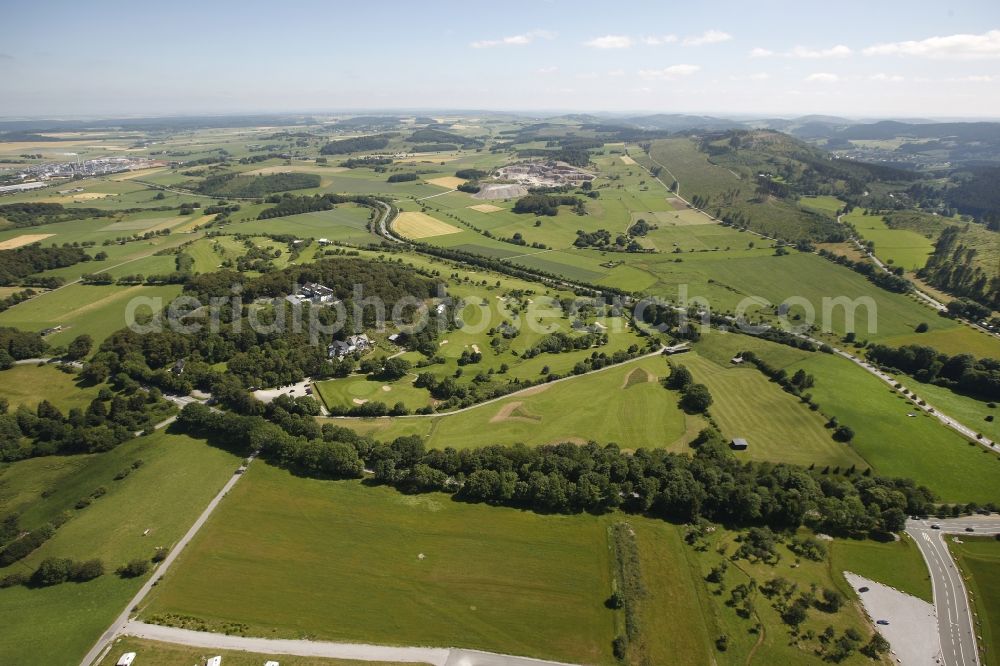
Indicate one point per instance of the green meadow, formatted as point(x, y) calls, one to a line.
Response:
point(776, 424)
point(377, 566)
point(97, 310)
point(898, 564)
point(174, 484)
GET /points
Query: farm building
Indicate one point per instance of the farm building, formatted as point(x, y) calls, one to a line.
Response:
point(126, 659)
point(740, 444)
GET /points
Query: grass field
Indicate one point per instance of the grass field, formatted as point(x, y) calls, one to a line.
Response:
point(898, 564)
point(339, 561)
point(919, 448)
point(969, 411)
point(154, 653)
point(59, 624)
point(979, 559)
point(636, 411)
point(776, 424)
point(900, 247)
point(30, 384)
point(675, 615)
point(95, 310)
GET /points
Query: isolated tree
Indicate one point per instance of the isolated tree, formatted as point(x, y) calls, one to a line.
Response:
point(680, 378)
point(696, 399)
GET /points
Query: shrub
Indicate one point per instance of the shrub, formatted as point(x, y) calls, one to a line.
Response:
point(83, 571)
point(133, 569)
point(51, 571)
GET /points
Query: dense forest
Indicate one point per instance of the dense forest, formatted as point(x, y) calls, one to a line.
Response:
point(548, 204)
point(357, 145)
point(36, 214)
point(435, 136)
point(977, 193)
point(952, 267)
point(23, 261)
point(259, 355)
point(250, 187)
point(293, 205)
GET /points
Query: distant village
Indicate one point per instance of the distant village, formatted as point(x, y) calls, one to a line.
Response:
point(37, 175)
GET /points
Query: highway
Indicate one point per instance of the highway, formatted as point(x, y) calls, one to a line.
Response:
point(951, 602)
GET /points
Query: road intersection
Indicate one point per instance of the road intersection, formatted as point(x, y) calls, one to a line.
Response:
point(956, 627)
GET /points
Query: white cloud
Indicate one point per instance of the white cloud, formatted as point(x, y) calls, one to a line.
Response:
point(668, 73)
point(707, 37)
point(514, 40)
point(616, 72)
point(551, 69)
point(657, 40)
point(978, 78)
point(961, 47)
point(756, 76)
point(822, 77)
point(838, 51)
point(610, 42)
point(887, 78)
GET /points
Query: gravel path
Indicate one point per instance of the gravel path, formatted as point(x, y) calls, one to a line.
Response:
point(912, 629)
point(304, 648)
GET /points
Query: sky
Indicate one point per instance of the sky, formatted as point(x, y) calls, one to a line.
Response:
point(870, 59)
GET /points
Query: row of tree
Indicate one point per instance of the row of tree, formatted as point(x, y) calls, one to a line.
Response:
point(569, 478)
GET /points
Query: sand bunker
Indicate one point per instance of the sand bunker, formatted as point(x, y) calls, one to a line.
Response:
point(627, 160)
point(20, 241)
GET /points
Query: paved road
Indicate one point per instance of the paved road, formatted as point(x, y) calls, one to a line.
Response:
point(955, 624)
point(122, 620)
point(304, 648)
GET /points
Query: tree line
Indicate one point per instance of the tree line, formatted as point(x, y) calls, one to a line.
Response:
point(962, 373)
point(567, 478)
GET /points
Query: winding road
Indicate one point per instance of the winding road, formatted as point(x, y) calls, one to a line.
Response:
point(956, 628)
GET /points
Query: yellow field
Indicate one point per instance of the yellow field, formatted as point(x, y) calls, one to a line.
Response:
point(25, 239)
point(78, 197)
point(450, 182)
point(627, 160)
point(486, 208)
point(138, 173)
point(421, 225)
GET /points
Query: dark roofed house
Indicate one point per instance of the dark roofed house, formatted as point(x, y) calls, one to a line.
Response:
point(740, 444)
